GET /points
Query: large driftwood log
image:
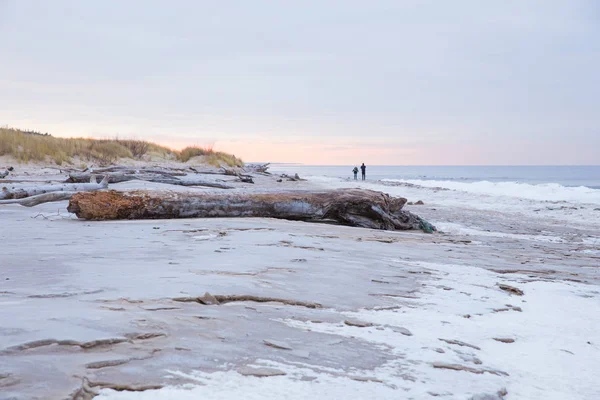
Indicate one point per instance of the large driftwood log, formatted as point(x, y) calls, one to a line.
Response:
point(133, 170)
point(117, 177)
point(122, 176)
point(354, 207)
point(20, 192)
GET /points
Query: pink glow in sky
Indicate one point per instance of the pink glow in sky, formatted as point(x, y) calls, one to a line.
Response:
point(391, 82)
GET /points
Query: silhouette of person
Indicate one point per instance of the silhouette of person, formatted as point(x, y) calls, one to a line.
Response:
point(355, 170)
point(363, 168)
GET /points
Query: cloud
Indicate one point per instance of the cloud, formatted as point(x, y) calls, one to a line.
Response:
point(411, 73)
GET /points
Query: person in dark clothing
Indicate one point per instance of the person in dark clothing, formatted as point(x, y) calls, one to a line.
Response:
point(355, 170)
point(363, 168)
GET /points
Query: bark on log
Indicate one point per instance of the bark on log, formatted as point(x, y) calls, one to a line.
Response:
point(354, 207)
point(15, 192)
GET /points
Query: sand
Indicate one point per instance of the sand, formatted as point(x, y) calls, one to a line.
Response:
point(98, 305)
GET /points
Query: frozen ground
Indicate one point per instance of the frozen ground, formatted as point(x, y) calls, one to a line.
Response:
point(90, 306)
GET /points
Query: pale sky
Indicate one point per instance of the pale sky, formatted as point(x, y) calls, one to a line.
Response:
point(393, 82)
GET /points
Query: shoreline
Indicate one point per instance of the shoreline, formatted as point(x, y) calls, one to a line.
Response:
point(98, 300)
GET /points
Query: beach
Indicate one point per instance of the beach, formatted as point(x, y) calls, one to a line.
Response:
point(502, 302)
point(316, 200)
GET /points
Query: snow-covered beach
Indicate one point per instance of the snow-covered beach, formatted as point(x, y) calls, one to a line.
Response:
point(503, 301)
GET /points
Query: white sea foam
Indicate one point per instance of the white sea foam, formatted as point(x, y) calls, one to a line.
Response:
point(543, 192)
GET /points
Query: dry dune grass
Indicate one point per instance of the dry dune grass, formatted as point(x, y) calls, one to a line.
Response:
point(28, 146)
point(210, 156)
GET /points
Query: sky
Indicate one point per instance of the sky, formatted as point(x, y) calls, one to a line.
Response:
point(388, 82)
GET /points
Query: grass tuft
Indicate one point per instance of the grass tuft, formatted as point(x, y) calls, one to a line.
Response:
point(215, 158)
point(193, 151)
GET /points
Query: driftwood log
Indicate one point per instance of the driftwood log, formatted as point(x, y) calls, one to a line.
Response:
point(117, 177)
point(21, 192)
point(207, 170)
point(198, 182)
point(79, 177)
point(257, 168)
point(353, 207)
point(40, 198)
point(150, 170)
point(239, 173)
point(122, 175)
point(129, 169)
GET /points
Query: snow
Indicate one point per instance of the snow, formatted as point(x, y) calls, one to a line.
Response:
point(231, 385)
point(552, 357)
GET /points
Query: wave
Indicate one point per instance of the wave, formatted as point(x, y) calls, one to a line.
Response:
point(551, 192)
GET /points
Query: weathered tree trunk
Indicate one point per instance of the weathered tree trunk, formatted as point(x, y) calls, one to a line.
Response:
point(132, 170)
point(117, 177)
point(198, 182)
point(40, 198)
point(354, 207)
point(15, 192)
point(122, 176)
